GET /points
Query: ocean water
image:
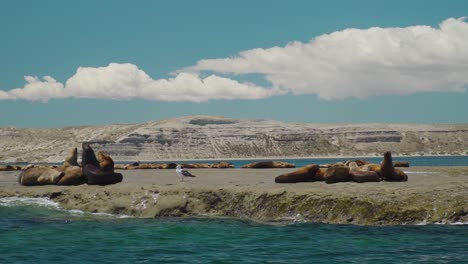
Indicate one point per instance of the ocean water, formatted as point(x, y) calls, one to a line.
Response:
point(461, 160)
point(413, 160)
point(36, 230)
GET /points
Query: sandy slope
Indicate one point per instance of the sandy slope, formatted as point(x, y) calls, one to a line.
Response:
point(207, 137)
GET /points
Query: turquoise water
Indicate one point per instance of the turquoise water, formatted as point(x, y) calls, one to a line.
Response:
point(414, 161)
point(47, 234)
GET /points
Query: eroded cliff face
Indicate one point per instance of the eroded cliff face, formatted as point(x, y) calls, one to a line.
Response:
point(205, 137)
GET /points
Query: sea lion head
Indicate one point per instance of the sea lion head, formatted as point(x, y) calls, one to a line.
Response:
point(353, 166)
point(388, 156)
point(72, 158)
point(105, 162)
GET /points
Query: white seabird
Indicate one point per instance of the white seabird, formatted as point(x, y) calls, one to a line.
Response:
point(182, 172)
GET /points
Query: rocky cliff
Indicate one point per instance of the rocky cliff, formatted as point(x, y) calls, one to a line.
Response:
point(207, 137)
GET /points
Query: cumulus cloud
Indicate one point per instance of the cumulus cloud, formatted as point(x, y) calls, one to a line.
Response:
point(361, 62)
point(127, 81)
point(348, 63)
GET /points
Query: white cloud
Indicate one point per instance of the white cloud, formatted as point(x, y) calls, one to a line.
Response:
point(349, 63)
point(35, 89)
point(361, 62)
point(127, 81)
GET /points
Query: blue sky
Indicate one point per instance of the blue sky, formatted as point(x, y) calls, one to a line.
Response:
point(298, 61)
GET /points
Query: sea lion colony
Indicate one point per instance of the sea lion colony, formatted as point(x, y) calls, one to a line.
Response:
point(348, 171)
point(93, 171)
point(100, 170)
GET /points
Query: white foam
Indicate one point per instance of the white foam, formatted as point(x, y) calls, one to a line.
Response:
point(47, 202)
point(15, 201)
point(422, 223)
point(111, 215)
point(76, 212)
point(459, 223)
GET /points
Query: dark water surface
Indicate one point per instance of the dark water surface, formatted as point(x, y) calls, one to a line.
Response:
point(40, 232)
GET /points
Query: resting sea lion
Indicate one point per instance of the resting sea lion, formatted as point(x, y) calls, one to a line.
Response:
point(39, 175)
point(72, 158)
point(73, 175)
point(304, 174)
point(400, 175)
point(388, 171)
point(337, 173)
point(105, 162)
point(269, 164)
point(401, 164)
point(320, 174)
point(359, 175)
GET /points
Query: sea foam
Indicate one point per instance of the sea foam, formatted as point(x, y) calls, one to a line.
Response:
point(18, 201)
point(48, 203)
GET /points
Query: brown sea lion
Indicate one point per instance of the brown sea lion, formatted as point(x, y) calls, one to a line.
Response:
point(400, 175)
point(268, 164)
point(105, 162)
point(39, 175)
point(119, 167)
point(92, 171)
point(304, 174)
point(359, 175)
point(222, 165)
point(337, 173)
point(361, 162)
point(7, 168)
point(371, 167)
point(95, 176)
point(388, 171)
point(401, 164)
point(72, 158)
point(320, 174)
point(88, 156)
point(73, 175)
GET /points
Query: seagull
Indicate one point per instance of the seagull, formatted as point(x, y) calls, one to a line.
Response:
point(182, 172)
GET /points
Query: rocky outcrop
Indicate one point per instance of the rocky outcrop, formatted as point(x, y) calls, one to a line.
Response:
point(205, 137)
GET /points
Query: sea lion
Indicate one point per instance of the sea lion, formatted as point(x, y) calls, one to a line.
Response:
point(401, 164)
point(119, 167)
point(337, 173)
point(92, 171)
point(320, 174)
point(304, 174)
point(88, 156)
point(268, 164)
point(388, 171)
point(7, 168)
point(39, 175)
point(73, 175)
point(400, 175)
point(371, 167)
point(105, 162)
point(72, 158)
point(359, 175)
point(95, 176)
point(222, 165)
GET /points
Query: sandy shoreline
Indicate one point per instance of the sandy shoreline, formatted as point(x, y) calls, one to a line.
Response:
point(432, 194)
